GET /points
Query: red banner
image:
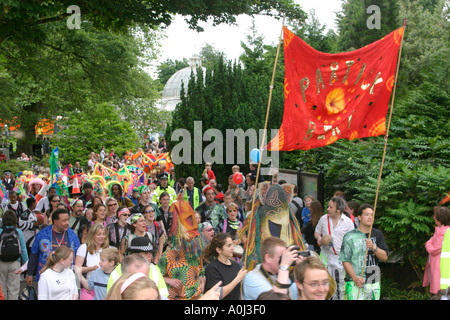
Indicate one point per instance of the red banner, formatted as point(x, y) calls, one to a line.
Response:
point(334, 96)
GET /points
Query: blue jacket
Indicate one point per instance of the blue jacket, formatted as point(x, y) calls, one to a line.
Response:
point(42, 245)
point(23, 245)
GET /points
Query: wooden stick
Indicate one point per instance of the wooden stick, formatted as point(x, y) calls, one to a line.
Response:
point(252, 213)
point(384, 151)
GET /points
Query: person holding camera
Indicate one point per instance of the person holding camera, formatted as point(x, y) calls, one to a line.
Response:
point(274, 271)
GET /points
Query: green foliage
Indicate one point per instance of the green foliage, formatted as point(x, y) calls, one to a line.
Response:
point(226, 97)
point(168, 68)
point(352, 22)
point(390, 291)
point(21, 18)
point(70, 69)
point(313, 33)
point(408, 227)
point(15, 166)
point(89, 130)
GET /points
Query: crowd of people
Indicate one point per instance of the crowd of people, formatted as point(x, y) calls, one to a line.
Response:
point(172, 239)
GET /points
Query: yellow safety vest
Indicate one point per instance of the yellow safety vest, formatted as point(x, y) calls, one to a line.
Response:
point(157, 192)
point(195, 197)
point(445, 261)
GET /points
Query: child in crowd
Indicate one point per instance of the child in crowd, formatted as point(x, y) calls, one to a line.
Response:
point(235, 169)
point(29, 223)
point(306, 212)
point(15, 203)
point(247, 208)
point(57, 280)
point(229, 199)
point(109, 259)
point(198, 217)
point(208, 173)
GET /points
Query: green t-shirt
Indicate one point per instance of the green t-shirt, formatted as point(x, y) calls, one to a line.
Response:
point(354, 249)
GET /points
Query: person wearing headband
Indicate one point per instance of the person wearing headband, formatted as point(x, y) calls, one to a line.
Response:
point(135, 286)
point(144, 200)
point(138, 228)
point(119, 229)
point(156, 228)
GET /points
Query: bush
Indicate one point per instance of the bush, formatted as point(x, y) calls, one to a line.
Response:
point(15, 166)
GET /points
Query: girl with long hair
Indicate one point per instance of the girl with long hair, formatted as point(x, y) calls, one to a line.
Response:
point(55, 272)
point(316, 210)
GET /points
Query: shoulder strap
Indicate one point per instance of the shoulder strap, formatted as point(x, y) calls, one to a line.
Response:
point(296, 205)
point(75, 223)
point(157, 227)
point(329, 232)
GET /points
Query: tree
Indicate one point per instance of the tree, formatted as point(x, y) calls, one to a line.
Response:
point(22, 19)
point(97, 62)
point(226, 97)
point(352, 22)
point(209, 55)
point(69, 69)
point(168, 68)
point(313, 33)
point(95, 127)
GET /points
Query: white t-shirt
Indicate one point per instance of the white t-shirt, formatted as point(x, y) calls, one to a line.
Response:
point(54, 285)
point(338, 232)
point(91, 259)
point(43, 204)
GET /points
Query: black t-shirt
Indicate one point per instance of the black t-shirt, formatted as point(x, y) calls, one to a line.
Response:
point(217, 271)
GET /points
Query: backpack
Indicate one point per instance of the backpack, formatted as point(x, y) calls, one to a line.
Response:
point(10, 249)
point(28, 293)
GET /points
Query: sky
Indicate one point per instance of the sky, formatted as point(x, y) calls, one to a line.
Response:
point(182, 42)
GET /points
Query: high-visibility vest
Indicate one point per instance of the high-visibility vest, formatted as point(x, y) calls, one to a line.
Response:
point(171, 181)
point(157, 192)
point(445, 261)
point(195, 197)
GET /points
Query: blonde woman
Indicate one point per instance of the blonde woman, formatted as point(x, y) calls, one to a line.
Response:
point(137, 286)
point(57, 280)
point(88, 255)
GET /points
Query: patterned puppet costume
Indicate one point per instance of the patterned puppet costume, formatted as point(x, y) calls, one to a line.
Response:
point(183, 259)
point(271, 217)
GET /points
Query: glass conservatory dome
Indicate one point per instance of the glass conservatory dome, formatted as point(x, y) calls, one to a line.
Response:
point(172, 89)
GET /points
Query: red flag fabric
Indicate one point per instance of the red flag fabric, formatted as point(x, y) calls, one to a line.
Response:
point(334, 96)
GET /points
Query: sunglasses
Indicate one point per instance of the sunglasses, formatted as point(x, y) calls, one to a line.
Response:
point(148, 211)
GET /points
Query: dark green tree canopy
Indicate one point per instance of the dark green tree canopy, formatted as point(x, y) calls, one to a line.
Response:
point(20, 18)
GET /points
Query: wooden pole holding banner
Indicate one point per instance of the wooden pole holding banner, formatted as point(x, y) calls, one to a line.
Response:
point(385, 147)
point(264, 135)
